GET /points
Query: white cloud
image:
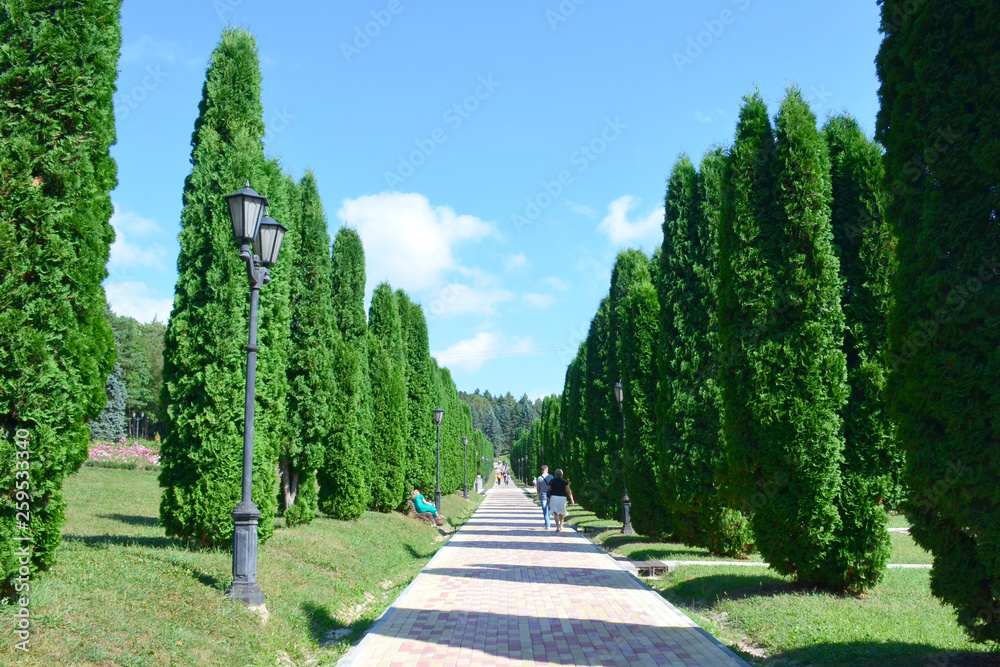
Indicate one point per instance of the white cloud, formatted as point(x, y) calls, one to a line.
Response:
point(470, 354)
point(621, 230)
point(127, 257)
point(517, 261)
point(458, 299)
point(133, 299)
point(581, 209)
point(146, 49)
point(540, 301)
point(555, 283)
point(408, 242)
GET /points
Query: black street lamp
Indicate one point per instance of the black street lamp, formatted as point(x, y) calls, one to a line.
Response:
point(250, 228)
point(465, 466)
point(134, 424)
point(626, 503)
point(438, 416)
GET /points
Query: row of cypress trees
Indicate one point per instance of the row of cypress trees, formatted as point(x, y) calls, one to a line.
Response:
point(752, 351)
point(344, 397)
point(58, 67)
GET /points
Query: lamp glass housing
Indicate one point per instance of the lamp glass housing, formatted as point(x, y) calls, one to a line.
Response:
point(618, 391)
point(270, 234)
point(245, 209)
point(438, 415)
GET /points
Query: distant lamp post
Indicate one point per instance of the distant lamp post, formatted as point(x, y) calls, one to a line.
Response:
point(141, 425)
point(260, 240)
point(133, 426)
point(626, 503)
point(438, 416)
point(465, 466)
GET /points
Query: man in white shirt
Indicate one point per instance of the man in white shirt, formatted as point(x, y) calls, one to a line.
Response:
point(542, 489)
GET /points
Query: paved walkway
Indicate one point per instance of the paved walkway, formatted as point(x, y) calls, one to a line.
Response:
point(504, 591)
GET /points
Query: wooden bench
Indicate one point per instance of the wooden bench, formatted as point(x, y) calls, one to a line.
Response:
point(426, 516)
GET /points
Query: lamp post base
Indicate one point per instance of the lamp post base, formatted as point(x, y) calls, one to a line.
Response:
point(244, 587)
point(437, 499)
point(627, 516)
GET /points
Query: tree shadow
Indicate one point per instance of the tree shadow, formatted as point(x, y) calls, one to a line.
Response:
point(521, 637)
point(327, 630)
point(132, 519)
point(707, 590)
point(416, 554)
point(104, 541)
point(883, 654)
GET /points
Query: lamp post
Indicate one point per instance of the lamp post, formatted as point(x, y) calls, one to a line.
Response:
point(438, 416)
point(250, 228)
point(626, 503)
point(465, 466)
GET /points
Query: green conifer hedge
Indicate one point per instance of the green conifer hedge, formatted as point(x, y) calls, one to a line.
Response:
point(940, 124)
point(58, 67)
point(204, 361)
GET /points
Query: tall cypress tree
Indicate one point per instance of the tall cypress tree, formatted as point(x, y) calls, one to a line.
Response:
point(872, 463)
point(689, 433)
point(204, 363)
point(388, 382)
point(344, 483)
point(572, 416)
point(57, 76)
point(637, 346)
point(939, 122)
point(312, 384)
point(420, 452)
point(634, 315)
point(797, 367)
point(598, 490)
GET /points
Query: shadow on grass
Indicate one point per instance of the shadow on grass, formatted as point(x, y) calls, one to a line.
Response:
point(132, 519)
point(707, 590)
point(327, 630)
point(416, 554)
point(102, 541)
point(883, 654)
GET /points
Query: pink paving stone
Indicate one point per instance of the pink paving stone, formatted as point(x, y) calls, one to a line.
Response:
point(504, 591)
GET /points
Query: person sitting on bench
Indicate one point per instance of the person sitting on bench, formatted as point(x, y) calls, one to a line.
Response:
point(423, 506)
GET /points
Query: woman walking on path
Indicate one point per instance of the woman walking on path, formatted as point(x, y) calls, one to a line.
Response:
point(558, 491)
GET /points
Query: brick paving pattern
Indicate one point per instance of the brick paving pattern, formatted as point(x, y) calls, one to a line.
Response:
point(504, 591)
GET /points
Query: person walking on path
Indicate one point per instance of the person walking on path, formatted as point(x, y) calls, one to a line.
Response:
point(542, 489)
point(558, 492)
point(421, 504)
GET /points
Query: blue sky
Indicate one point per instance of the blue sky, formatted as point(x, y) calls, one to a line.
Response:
point(494, 156)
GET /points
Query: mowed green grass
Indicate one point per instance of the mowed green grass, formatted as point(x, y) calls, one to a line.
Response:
point(770, 620)
point(122, 593)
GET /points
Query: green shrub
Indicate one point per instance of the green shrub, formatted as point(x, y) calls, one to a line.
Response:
point(58, 67)
point(940, 124)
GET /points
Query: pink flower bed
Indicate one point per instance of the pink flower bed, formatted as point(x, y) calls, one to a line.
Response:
point(122, 452)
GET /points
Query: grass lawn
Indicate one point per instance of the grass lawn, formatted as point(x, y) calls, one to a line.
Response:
point(123, 593)
point(770, 620)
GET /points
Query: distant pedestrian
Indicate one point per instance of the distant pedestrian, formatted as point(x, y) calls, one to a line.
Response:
point(558, 492)
point(499, 475)
point(542, 489)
